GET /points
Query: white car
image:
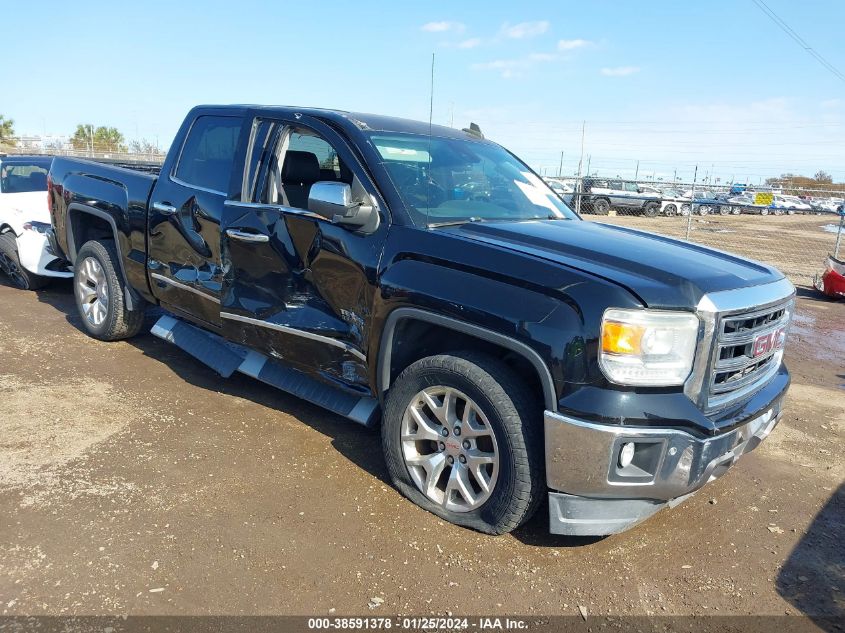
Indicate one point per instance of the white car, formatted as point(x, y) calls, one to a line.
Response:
point(789, 204)
point(25, 253)
point(673, 202)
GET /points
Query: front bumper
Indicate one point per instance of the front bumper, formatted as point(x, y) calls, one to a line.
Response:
point(597, 496)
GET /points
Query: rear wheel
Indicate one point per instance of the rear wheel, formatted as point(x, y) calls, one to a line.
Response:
point(764, 212)
point(601, 206)
point(671, 209)
point(778, 211)
point(100, 295)
point(10, 264)
point(724, 210)
point(703, 210)
point(461, 438)
point(651, 209)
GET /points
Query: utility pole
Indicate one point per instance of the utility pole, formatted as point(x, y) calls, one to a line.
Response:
point(637, 171)
point(560, 167)
point(588, 164)
point(579, 182)
point(691, 202)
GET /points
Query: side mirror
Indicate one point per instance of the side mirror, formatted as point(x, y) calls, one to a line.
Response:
point(333, 200)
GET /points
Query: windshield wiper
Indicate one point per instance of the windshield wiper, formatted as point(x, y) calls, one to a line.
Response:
point(434, 225)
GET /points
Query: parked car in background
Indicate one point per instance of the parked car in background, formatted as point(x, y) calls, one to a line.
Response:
point(673, 202)
point(26, 255)
point(789, 204)
point(562, 189)
point(746, 204)
point(703, 201)
point(603, 195)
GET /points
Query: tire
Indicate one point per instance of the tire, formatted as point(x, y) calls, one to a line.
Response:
point(601, 206)
point(778, 211)
point(764, 212)
point(724, 210)
point(671, 209)
point(703, 210)
point(99, 294)
point(10, 264)
point(651, 209)
point(685, 210)
point(736, 210)
point(511, 418)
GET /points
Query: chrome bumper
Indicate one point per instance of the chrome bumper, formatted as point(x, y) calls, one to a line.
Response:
point(599, 496)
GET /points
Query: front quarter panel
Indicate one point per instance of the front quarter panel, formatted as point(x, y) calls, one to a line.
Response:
point(554, 310)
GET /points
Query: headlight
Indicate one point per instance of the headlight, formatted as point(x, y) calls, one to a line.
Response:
point(647, 347)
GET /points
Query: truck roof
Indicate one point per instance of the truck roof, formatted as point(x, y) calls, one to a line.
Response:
point(363, 121)
point(25, 158)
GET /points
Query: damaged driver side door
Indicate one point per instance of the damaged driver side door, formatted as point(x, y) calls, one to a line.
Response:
point(297, 286)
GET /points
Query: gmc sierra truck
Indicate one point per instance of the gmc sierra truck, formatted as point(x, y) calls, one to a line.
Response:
point(426, 279)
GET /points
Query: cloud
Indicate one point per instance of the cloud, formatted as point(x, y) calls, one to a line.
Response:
point(511, 68)
point(571, 45)
point(470, 43)
point(442, 27)
point(620, 71)
point(524, 29)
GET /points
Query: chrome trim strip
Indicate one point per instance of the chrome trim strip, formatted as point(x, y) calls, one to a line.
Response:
point(179, 181)
point(181, 286)
point(276, 207)
point(289, 330)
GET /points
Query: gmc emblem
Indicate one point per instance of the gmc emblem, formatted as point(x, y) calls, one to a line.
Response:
point(766, 343)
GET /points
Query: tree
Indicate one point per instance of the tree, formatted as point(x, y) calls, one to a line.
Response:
point(7, 130)
point(100, 139)
point(142, 147)
point(823, 177)
point(83, 137)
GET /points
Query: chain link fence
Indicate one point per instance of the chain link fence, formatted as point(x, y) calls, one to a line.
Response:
point(792, 229)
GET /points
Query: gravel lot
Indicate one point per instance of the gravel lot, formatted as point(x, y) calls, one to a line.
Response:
point(135, 480)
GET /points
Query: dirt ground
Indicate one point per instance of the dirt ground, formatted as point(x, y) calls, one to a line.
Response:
point(795, 244)
point(135, 480)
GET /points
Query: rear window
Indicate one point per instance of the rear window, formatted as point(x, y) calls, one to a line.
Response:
point(22, 177)
point(208, 153)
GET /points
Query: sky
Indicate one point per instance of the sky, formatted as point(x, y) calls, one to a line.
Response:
point(661, 87)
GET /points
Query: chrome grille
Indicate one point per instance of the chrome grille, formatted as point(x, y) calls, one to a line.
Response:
point(748, 351)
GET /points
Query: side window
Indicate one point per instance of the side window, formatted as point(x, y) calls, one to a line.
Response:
point(208, 152)
point(615, 185)
point(303, 157)
point(631, 186)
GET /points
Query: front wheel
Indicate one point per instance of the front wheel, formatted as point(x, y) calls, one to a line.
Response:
point(651, 209)
point(100, 295)
point(703, 210)
point(461, 435)
point(10, 264)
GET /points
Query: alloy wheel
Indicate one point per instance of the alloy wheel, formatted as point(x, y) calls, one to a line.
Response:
point(92, 291)
point(450, 449)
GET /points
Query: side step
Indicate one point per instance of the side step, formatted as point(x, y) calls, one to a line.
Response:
point(226, 358)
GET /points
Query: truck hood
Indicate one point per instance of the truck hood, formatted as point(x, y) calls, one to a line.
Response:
point(662, 272)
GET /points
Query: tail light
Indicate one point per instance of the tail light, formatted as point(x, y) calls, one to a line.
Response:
point(836, 266)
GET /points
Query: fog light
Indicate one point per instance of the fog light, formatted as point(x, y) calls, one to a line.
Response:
point(626, 455)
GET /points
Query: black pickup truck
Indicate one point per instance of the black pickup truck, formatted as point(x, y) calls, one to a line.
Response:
point(427, 279)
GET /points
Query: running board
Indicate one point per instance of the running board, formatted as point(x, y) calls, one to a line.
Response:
point(226, 358)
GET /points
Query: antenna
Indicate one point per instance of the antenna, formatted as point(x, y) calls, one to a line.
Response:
point(430, 118)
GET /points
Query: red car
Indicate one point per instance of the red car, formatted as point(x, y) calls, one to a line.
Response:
point(832, 281)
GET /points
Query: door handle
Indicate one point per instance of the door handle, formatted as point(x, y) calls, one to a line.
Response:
point(243, 236)
point(164, 208)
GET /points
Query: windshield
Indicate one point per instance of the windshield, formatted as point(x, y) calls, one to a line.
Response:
point(444, 180)
point(22, 177)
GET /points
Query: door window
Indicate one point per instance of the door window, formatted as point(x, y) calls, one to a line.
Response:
point(208, 153)
point(301, 159)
